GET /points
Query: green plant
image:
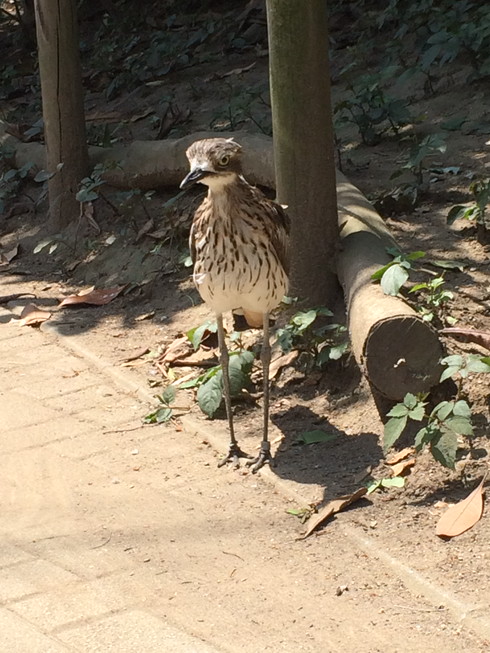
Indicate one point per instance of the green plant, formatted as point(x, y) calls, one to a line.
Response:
point(445, 423)
point(164, 412)
point(461, 367)
point(434, 296)
point(394, 274)
point(418, 155)
point(476, 212)
point(370, 108)
point(306, 332)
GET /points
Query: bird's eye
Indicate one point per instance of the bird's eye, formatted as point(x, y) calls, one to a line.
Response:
point(225, 160)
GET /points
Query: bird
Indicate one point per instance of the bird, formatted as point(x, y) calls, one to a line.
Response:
point(239, 245)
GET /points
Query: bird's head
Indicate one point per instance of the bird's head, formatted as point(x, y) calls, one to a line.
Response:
point(214, 162)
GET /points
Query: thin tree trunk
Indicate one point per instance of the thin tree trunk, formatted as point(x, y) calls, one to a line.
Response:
point(64, 122)
point(303, 141)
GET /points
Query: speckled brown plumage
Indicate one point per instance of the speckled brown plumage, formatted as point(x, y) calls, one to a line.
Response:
point(239, 244)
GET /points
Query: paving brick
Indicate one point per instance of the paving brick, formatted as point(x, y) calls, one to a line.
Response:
point(18, 636)
point(18, 411)
point(134, 631)
point(82, 555)
point(40, 434)
point(57, 608)
point(11, 554)
point(31, 577)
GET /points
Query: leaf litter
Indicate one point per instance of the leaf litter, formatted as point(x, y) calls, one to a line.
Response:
point(93, 296)
point(463, 515)
point(331, 508)
point(32, 315)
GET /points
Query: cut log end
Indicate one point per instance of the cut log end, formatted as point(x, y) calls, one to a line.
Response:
point(402, 354)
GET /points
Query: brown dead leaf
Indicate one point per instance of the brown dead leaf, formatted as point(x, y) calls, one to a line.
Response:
point(179, 348)
point(401, 468)
point(481, 338)
point(135, 355)
point(463, 515)
point(148, 226)
point(33, 316)
point(278, 363)
point(400, 455)
point(199, 358)
point(8, 256)
point(5, 299)
point(229, 73)
point(94, 296)
point(332, 507)
point(142, 114)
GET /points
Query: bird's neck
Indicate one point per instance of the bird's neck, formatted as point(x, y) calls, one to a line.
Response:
point(221, 186)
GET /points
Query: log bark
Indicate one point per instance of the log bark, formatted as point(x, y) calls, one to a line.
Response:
point(397, 351)
point(303, 142)
point(63, 113)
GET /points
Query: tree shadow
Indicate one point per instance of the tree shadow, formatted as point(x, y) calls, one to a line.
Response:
point(339, 466)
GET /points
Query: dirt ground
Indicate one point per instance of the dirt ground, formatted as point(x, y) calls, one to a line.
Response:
point(160, 304)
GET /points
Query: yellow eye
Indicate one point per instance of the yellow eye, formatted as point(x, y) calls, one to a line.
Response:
point(225, 160)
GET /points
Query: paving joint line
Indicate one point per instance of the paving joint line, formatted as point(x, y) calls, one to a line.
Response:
point(465, 612)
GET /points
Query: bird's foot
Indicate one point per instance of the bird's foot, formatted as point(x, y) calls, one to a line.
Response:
point(263, 457)
point(233, 456)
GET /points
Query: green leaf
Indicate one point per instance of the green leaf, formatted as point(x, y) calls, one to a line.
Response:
point(397, 481)
point(476, 364)
point(460, 425)
point(414, 256)
point(448, 265)
point(424, 436)
point(303, 319)
point(379, 273)
point(454, 123)
point(448, 373)
point(444, 448)
point(417, 413)
point(443, 410)
point(168, 395)
point(394, 427)
point(210, 394)
point(313, 437)
point(400, 410)
point(461, 409)
point(410, 400)
point(158, 416)
point(393, 279)
point(195, 335)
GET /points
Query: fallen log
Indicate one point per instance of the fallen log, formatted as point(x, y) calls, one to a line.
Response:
point(397, 351)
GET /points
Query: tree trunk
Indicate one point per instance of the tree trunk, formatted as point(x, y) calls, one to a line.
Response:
point(397, 351)
point(303, 142)
point(63, 113)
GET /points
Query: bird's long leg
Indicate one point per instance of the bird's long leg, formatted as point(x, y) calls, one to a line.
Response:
point(265, 447)
point(234, 451)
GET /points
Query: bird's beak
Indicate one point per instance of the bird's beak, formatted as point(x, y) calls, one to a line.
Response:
point(193, 177)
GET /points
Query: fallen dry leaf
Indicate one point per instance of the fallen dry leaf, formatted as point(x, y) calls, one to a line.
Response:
point(145, 316)
point(94, 296)
point(278, 363)
point(6, 257)
point(399, 469)
point(148, 226)
point(463, 515)
point(179, 348)
point(481, 338)
point(33, 316)
point(135, 355)
point(332, 507)
point(400, 455)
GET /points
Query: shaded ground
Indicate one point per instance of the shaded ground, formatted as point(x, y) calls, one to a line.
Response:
point(399, 521)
